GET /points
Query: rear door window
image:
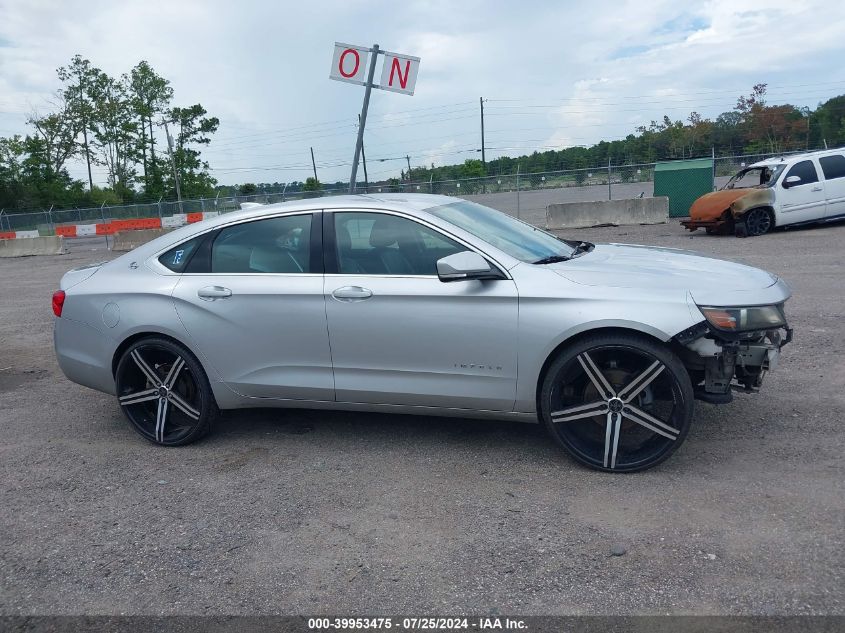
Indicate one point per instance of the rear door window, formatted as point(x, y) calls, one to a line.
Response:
point(833, 166)
point(272, 245)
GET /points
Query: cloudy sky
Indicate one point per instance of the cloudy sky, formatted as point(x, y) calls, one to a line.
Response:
point(555, 73)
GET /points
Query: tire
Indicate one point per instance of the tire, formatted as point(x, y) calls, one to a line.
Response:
point(617, 402)
point(164, 392)
point(758, 222)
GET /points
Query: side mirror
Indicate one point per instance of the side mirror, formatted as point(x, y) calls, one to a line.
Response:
point(463, 266)
point(791, 181)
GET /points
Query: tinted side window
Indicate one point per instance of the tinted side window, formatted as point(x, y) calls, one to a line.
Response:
point(382, 244)
point(177, 258)
point(274, 245)
point(805, 170)
point(833, 166)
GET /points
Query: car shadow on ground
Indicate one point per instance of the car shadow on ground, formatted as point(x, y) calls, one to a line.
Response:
point(352, 424)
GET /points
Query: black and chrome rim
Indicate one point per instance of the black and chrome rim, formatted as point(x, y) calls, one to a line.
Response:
point(159, 393)
point(617, 408)
point(758, 222)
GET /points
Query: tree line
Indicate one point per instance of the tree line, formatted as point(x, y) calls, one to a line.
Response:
point(753, 126)
point(115, 123)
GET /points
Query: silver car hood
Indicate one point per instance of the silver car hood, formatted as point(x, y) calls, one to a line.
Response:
point(649, 268)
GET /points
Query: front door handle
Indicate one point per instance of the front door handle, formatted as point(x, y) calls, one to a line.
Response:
point(352, 293)
point(816, 189)
point(210, 293)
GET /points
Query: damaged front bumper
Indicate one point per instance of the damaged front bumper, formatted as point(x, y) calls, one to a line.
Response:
point(719, 364)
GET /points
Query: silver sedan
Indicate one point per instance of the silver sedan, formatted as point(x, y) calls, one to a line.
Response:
point(419, 304)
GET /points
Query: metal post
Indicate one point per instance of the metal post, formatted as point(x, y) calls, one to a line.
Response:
point(360, 141)
point(431, 183)
point(285, 188)
point(202, 204)
point(175, 171)
point(50, 215)
point(314, 165)
point(364, 160)
point(609, 193)
point(713, 158)
point(216, 198)
point(517, 190)
point(159, 205)
point(103, 216)
point(483, 154)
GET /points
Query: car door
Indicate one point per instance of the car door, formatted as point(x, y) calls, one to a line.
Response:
point(401, 336)
point(833, 168)
point(802, 200)
point(252, 301)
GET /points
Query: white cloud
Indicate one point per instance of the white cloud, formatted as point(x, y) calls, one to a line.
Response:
point(262, 68)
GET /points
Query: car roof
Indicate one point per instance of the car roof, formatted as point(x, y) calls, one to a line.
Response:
point(789, 158)
point(413, 204)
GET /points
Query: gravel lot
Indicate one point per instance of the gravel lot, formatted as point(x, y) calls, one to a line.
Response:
point(315, 512)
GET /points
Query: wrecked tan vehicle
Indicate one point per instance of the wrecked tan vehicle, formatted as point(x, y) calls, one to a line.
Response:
point(745, 205)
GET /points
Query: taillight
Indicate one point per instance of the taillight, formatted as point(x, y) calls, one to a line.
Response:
point(58, 302)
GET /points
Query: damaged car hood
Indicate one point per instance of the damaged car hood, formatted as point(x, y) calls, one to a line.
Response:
point(711, 205)
point(630, 266)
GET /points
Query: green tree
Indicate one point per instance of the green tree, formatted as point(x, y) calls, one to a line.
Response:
point(114, 128)
point(192, 129)
point(78, 79)
point(151, 95)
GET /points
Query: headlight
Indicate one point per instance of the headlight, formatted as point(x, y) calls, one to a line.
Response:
point(745, 319)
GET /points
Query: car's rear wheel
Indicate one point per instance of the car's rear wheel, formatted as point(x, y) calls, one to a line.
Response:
point(618, 403)
point(758, 222)
point(164, 392)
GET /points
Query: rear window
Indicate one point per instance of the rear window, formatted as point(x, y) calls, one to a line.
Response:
point(833, 166)
point(177, 258)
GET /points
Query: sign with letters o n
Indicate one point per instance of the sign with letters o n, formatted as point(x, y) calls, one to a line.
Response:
point(350, 63)
point(399, 73)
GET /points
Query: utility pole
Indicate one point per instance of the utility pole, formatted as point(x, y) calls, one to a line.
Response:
point(360, 142)
point(175, 171)
point(408, 158)
point(314, 165)
point(364, 160)
point(483, 153)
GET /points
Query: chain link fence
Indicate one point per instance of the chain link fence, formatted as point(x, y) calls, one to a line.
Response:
point(525, 195)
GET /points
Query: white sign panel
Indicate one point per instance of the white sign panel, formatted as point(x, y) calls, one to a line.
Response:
point(350, 63)
point(399, 73)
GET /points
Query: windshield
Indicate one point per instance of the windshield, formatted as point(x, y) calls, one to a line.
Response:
point(514, 237)
point(760, 177)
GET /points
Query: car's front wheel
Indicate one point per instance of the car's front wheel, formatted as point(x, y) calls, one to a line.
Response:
point(164, 392)
point(758, 222)
point(618, 403)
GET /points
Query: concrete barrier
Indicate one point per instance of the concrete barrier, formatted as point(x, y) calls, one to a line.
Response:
point(575, 215)
point(32, 246)
point(127, 240)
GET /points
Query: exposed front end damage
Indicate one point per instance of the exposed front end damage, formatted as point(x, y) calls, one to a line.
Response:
point(720, 362)
point(723, 211)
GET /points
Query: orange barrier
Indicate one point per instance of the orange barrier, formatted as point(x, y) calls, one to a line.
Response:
point(110, 228)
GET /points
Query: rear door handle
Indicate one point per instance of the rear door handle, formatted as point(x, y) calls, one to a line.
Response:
point(210, 293)
point(816, 189)
point(352, 293)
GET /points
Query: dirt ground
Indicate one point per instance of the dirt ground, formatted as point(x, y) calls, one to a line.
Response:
point(315, 512)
